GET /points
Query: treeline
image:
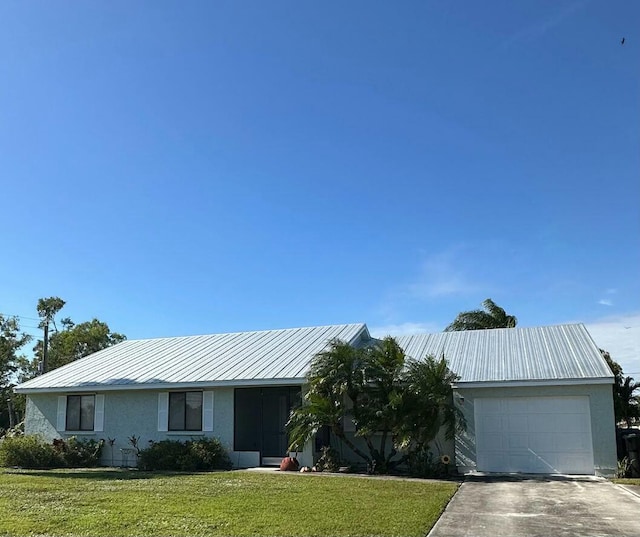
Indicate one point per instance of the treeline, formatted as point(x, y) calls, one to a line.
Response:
point(62, 342)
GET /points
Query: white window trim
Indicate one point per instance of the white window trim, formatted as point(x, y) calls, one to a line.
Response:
point(207, 411)
point(98, 415)
point(163, 411)
point(208, 406)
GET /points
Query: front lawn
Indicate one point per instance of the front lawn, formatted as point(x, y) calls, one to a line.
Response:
point(129, 503)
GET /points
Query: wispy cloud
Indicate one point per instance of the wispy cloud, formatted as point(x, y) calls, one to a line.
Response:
point(541, 27)
point(607, 301)
point(461, 273)
point(620, 335)
point(403, 329)
point(440, 276)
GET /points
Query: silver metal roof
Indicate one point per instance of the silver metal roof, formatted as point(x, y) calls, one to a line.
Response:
point(238, 358)
point(562, 352)
point(550, 353)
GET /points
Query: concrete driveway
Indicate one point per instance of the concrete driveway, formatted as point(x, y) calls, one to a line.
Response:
point(544, 506)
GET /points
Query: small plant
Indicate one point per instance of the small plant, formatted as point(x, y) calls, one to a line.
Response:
point(134, 441)
point(329, 461)
point(422, 463)
point(111, 442)
point(624, 467)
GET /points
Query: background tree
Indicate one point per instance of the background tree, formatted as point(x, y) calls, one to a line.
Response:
point(47, 310)
point(492, 316)
point(626, 403)
point(76, 341)
point(66, 344)
point(11, 341)
point(397, 405)
point(70, 342)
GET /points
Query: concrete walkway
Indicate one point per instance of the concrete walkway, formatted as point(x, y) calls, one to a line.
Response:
point(532, 506)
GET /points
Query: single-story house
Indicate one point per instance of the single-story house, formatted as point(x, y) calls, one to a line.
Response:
point(536, 400)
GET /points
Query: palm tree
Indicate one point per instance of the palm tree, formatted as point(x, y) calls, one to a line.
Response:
point(492, 316)
point(396, 404)
point(334, 375)
point(627, 405)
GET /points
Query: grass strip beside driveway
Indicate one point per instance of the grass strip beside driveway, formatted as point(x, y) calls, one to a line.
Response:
point(125, 503)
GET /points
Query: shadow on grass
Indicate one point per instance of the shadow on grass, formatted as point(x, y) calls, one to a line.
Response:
point(99, 473)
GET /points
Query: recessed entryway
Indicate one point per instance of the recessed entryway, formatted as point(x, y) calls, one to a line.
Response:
point(260, 416)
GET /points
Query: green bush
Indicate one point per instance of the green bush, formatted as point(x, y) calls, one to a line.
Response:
point(80, 453)
point(32, 451)
point(203, 454)
point(29, 451)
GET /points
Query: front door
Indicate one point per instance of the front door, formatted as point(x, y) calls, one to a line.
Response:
point(275, 414)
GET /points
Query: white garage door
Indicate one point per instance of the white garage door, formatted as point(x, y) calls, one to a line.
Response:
point(534, 435)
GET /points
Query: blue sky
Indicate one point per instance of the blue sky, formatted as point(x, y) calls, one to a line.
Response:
point(196, 167)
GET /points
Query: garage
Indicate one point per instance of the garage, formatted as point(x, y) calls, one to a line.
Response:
point(534, 435)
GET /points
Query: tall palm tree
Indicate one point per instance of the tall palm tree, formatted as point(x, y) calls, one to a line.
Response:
point(492, 316)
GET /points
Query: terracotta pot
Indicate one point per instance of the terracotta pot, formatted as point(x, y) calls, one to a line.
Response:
point(289, 464)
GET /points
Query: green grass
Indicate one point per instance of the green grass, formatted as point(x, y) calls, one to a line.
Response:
point(128, 503)
point(626, 481)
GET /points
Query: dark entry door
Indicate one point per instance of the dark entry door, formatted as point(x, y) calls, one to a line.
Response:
point(260, 418)
point(275, 413)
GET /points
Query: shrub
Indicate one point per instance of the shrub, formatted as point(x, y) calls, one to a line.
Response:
point(32, 451)
point(161, 455)
point(79, 453)
point(29, 451)
point(203, 454)
point(210, 454)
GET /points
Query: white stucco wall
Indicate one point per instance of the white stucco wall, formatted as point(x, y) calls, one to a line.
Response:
point(128, 413)
point(135, 412)
point(600, 406)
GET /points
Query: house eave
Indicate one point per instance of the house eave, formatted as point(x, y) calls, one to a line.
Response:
point(161, 386)
point(531, 383)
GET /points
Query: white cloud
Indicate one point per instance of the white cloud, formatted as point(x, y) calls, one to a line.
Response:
point(404, 329)
point(440, 275)
point(620, 335)
point(607, 301)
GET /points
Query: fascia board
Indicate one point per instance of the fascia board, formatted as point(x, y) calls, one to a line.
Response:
point(164, 386)
point(532, 383)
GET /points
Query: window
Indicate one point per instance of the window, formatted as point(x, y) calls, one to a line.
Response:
point(80, 412)
point(185, 411)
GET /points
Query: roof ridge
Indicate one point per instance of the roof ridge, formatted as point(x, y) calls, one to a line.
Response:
point(248, 332)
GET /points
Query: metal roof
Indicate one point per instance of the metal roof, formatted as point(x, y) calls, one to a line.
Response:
point(549, 354)
point(238, 358)
point(561, 352)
